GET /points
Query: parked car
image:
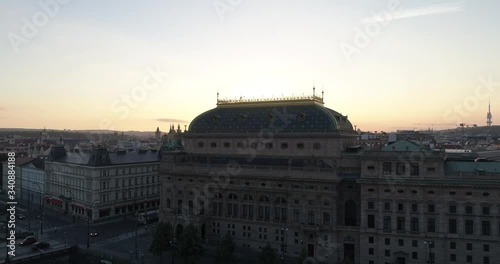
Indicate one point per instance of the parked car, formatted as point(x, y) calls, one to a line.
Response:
point(28, 241)
point(21, 216)
point(40, 245)
point(93, 233)
point(25, 234)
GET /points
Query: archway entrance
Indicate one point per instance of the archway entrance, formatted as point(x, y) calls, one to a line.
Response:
point(349, 253)
point(203, 232)
point(178, 230)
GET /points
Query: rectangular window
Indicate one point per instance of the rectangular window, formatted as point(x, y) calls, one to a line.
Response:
point(401, 207)
point(284, 145)
point(414, 255)
point(414, 208)
point(269, 145)
point(414, 169)
point(401, 242)
point(414, 243)
point(310, 218)
point(486, 210)
point(485, 228)
point(452, 209)
point(401, 223)
point(326, 218)
point(371, 205)
point(469, 246)
point(486, 248)
point(227, 145)
point(387, 168)
point(469, 227)
point(431, 208)
point(414, 224)
point(400, 168)
point(387, 223)
point(468, 210)
point(453, 245)
point(296, 215)
point(452, 226)
point(387, 206)
point(453, 258)
point(431, 225)
point(371, 221)
point(300, 145)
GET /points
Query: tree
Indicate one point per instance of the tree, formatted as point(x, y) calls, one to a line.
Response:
point(302, 257)
point(189, 247)
point(267, 255)
point(161, 241)
point(225, 250)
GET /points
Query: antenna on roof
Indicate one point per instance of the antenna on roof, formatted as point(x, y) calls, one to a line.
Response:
point(314, 91)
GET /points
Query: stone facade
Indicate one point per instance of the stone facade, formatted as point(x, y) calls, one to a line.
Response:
point(313, 189)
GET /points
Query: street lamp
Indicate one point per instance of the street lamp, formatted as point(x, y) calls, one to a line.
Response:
point(72, 203)
point(40, 207)
point(88, 222)
point(172, 243)
point(430, 242)
point(284, 230)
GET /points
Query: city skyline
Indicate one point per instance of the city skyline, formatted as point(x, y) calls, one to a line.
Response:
point(387, 65)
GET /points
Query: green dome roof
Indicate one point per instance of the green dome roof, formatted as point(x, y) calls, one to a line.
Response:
point(305, 115)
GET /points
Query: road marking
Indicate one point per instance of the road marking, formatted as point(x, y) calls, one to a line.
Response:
point(118, 238)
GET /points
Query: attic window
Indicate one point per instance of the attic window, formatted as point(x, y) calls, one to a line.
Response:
point(242, 117)
point(431, 169)
point(301, 117)
point(213, 145)
point(371, 167)
point(201, 144)
point(216, 119)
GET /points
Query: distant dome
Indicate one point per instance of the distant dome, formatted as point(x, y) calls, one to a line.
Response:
point(291, 115)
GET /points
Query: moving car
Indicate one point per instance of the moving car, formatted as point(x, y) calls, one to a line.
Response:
point(93, 233)
point(40, 245)
point(28, 241)
point(25, 234)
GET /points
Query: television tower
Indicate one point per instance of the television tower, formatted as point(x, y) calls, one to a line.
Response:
point(488, 116)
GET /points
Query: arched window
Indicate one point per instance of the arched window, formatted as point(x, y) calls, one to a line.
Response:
point(350, 213)
point(232, 205)
point(247, 207)
point(247, 197)
point(280, 200)
point(280, 209)
point(264, 210)
point(217, 196)
point(264, 199)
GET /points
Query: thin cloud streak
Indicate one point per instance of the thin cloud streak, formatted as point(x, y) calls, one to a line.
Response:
point(171, 120)
point(420, 11)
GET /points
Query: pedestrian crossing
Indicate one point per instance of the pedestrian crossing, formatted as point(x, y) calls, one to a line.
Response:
point(118, 238)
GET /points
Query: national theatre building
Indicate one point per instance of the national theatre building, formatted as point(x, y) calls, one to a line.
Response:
point(288, 172)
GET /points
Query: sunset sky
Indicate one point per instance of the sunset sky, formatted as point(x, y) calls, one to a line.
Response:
point(72, 64)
